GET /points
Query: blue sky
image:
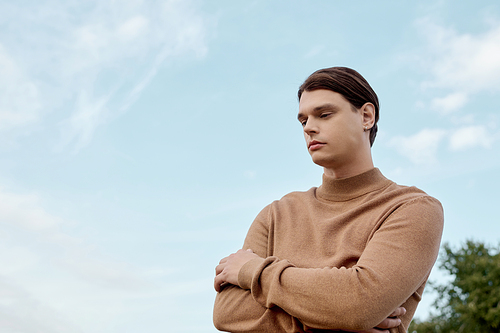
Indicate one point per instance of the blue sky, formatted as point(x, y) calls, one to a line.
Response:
point(139, 139)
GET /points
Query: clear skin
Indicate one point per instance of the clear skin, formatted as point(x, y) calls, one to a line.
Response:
point(328, 118)
point(337, 140)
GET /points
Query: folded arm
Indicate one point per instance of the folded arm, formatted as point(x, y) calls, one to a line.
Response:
point(394, 264)
point(227, 277)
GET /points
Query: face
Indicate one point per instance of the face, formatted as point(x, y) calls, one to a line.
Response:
point(334, 132)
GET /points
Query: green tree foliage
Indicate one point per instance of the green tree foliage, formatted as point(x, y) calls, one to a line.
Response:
point(471, 302)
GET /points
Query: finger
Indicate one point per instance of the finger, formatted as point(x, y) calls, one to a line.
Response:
point(374, 330)
point(398, 312)
point(223, 260)
point(389, 323)
point(218, 281)
point(219, 269)
point(249, 250)
point(216, 285)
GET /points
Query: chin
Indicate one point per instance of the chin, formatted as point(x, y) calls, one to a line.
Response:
point(323, 162)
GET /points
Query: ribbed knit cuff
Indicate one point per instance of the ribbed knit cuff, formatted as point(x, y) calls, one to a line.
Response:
point(247, 272)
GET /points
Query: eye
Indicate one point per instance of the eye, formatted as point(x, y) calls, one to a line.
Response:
point(324, 115)
point(303, 122)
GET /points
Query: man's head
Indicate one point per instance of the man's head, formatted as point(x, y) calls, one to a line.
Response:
point(347, 82)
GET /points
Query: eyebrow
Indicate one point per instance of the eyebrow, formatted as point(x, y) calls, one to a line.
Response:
point(318, 109)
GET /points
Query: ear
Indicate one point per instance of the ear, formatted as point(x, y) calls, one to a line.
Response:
point(368, 113)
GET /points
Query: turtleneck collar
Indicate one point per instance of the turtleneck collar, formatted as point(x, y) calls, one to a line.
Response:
point(349, 188)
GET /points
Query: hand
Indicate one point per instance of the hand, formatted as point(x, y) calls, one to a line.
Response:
point(389, 322)
point(229, 267)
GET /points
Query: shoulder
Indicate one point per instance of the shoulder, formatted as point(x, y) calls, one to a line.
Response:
point(410, 202)
point(408, 194)
point(290, 204)
point(413, 203)
point(295, 198)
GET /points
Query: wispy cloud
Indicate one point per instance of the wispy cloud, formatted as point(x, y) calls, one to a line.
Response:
point(21, 312)
point(43, 269)
point(24, 215)
point(450, 103)
point(420, 148)
point(25, 211)
point(89, 113)
point(19, 97)
point(89, 61)
point(458, 66)
point(462, 62)
point(470, 137)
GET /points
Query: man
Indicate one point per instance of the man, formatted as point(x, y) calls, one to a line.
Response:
point(349, 255)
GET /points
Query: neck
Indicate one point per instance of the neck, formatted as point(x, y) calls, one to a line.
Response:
point(347, 170)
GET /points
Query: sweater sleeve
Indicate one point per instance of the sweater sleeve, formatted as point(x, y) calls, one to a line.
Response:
point(394, 266)
point(235, 309)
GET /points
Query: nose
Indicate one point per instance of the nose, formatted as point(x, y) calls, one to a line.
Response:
point(310, 127)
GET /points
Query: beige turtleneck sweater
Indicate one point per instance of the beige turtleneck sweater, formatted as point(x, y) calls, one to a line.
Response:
point(341, 256)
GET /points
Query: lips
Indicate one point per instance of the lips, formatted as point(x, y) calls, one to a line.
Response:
point(315, 145)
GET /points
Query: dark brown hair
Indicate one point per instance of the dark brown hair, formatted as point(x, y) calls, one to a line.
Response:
point(348, 83)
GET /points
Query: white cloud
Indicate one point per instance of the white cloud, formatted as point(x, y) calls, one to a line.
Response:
point(420, 148)
point(105, 273)
point(80, 126)
point(21, 312)
point(23, 215)
point(19, 97)
point(449, 103)
point(461, 65)
point(133, 28)
point(53, 282)
point(24, 210)
point(89, 61)
point(463, 62)
point(43, 269)
point(16, 259)
point(470, 137)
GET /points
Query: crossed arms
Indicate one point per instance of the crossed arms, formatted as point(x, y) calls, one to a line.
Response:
point(267, 294)
point(229, 267)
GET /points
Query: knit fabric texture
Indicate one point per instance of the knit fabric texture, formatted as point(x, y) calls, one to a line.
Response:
point(341, 256)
